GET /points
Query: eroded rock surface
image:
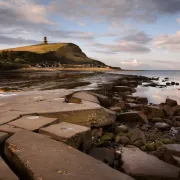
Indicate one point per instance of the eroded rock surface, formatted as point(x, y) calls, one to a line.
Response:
point(28, 152)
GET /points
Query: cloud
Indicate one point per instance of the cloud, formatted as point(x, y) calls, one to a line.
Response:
point(122, 46)
point(22, 13)
point(115, 10)
point(168, 42)
point(16, 41)
point(138, 37)
point(65, 34)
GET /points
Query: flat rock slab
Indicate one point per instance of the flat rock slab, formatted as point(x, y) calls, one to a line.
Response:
point(3, 137)
point(5, 172)
point(37, 157)
point(8, 116)
point(33, 123)
point(86, 96)
point(141, 165)
point(72, 134)
point(52, 104)
point(10, 129)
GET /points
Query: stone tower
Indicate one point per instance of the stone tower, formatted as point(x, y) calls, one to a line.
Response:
point(45, 40)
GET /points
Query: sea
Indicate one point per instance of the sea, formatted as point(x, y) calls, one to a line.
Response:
point(157, 95)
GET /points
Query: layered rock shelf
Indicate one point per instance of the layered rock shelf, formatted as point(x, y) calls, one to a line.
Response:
point(106, 133)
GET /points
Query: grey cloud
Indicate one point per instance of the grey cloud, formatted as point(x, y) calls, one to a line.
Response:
point(123, 47)
point(116, 10)
point(139, 37)
point(68, 34)
point(14, 41)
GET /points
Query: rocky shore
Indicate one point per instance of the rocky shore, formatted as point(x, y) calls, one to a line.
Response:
point(58, 134)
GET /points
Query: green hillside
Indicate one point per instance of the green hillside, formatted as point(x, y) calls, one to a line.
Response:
point(46, 55)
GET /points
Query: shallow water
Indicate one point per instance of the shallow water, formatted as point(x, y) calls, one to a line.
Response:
point(154, 94)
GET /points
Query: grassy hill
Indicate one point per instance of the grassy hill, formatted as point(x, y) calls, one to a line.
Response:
point(45, 55)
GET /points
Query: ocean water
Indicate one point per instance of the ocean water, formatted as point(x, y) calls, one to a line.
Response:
point(154, 94)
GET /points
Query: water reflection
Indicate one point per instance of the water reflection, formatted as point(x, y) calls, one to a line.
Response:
point(157, 95)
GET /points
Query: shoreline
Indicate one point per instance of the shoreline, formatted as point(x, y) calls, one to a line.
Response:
point(60, 69)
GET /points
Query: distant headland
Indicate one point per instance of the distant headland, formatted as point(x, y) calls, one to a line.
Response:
point(47, 55)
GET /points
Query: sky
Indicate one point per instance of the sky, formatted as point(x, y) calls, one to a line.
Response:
point(131, 34)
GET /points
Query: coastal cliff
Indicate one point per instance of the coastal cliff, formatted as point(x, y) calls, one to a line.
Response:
point(46, 55)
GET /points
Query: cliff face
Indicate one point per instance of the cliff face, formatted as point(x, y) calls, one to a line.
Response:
point(48, 55)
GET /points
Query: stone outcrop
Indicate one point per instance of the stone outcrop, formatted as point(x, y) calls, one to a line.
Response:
point(124, 89)
point(103, 154)
point(71, 134)
point(131, 116)
point(153, 111)
point(28, 152)
point(171, 102)
point(141, 165)
point(142, 100)
point(86, 96)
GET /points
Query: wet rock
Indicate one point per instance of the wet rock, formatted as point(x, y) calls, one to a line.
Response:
point(115, 109)
point(36, 157)
point(167, 141)
point(136, 134)
point(71, 134)
point(168, 110)
point(150, 146)
point(142, 100)
point(153, 111)
point(121, 128)
point(139, 143)
point(141, 165)
point(133, 106)
point(124, 89)
point(168, 84)
point(170, 151)
point(173, 83)
point(107, 137)
point(121, 104)
point(103, 154)
point(171, 102)
point(96, 132)
point(157, 119)
point(74, 100)
point(176, 118)
point(176, 110)
point(5, 172)
point(122, 140)
point(106, 86)
point(105, 101)
point(152, 84)
point(158, 144)
point(133, 116)
point(174, 131)
point(162, 126)
point(3, 137)
point(177, 84)
point(86, 96)
point(176, 161)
